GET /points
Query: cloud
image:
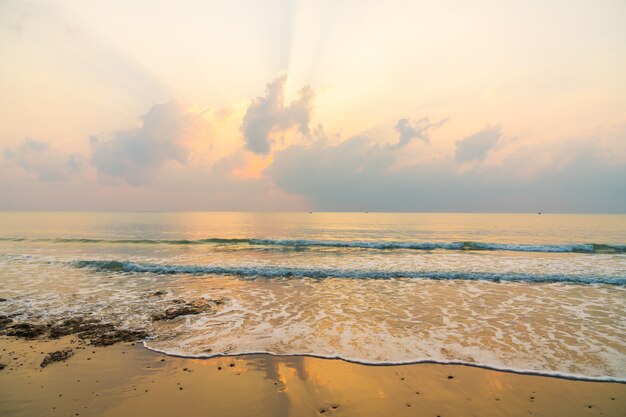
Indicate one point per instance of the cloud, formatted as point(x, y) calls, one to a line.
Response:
point(134, 155)
point(476, 146)
point(414, 130)
point(268, 115)
point(358, 175)
point(47, 164)
point(192, 159)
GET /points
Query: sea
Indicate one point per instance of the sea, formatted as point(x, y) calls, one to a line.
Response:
point(531, 293)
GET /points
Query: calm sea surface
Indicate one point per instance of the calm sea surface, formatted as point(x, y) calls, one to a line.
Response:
point(542, 293)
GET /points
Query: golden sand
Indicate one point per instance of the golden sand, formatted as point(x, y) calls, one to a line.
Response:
point(127, 379)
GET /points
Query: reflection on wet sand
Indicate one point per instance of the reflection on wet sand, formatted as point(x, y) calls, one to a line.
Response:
point(131, 380)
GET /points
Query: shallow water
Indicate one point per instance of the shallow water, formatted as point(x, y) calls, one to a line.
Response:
point(543, 293)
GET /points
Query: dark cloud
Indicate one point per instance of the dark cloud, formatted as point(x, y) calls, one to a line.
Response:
point(134, 155)
point(476, 147)
point(47, 164)
point(331, 176)
point(414, 130)
point(269, 114)
point(357, 175)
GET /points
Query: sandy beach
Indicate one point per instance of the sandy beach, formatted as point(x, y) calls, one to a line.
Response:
point(127, 379)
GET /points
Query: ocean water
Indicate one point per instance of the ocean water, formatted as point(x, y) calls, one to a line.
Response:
point(525, 292)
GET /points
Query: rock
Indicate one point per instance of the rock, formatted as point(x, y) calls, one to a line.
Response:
point(27, 330)
point(91, 330)
point(173, 312)
point(185, 308)
point(106, 335)
point(5, 321)
point(159, 293)
point(75, 325)
point(2, 366)
point(59, 355)
point(2, 300)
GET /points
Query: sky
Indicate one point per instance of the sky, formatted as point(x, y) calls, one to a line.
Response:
point(456, 106)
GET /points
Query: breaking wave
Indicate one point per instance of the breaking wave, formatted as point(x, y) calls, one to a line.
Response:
point(382, 245)
point(292, 272)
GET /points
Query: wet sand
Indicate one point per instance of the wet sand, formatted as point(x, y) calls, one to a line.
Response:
point(127, 379)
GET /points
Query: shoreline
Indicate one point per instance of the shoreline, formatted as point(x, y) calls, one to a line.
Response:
point(546, 374)
point(127, 378)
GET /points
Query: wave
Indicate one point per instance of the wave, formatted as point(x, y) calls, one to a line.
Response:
point(290, 272)
point(381, 245)
point(129, 241)
point(468, 246)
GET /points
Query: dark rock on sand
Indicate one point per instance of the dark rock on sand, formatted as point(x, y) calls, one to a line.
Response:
point(27, 330)
point(159, 293)
point(74, 325)
point(105, 334)
point(5, 321)
point(185, 308)
point(2, 366)
point(2, 300)
point(59, 355)
point(91, 330)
